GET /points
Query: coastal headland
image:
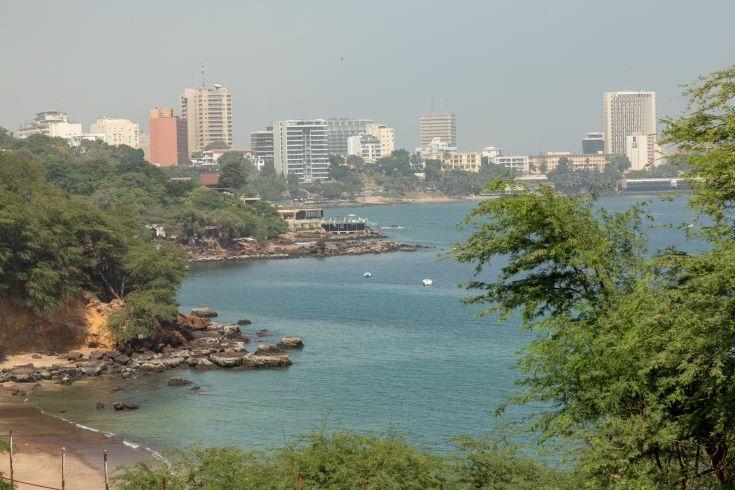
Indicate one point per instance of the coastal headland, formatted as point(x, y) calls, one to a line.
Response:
point(192, 341)
point(303, 243)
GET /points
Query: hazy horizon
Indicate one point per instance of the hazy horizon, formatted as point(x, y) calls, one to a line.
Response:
point(527, 77)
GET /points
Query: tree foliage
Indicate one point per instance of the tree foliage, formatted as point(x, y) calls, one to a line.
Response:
point(346, 460)
point(632, 361)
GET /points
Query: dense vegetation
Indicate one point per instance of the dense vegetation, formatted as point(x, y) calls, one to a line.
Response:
point(345, 460)
point(568, 179)
point(633, 358)
point(81, 218)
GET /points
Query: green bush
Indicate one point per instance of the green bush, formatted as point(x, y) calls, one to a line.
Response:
point(347, 460)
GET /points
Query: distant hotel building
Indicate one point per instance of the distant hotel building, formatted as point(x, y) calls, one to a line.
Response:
point(168, 138)
point(442, 126)
point(262, 145)
point(365, 146)
point(117, 131)
point(340, 129)
point(207, 111)
point(627, 113)
point(300, 148)
point(386, 136)
point(53, 124)
point(593, 143)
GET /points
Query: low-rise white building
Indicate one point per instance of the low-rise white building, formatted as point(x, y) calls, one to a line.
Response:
point(435, 150)
point(491, 153)
point(517, 163)
point(54, 124)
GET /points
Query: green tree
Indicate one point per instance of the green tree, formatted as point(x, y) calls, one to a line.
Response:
point(705, 133)
point(232, 170)
point(633, 355)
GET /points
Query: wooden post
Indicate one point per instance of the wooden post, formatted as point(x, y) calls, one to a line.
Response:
point(298, 481)
point(107, 483)
point(164, 484)
point(12, 480)
point(63, 460)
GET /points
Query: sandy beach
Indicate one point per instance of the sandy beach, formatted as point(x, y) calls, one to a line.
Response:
point(38, 441)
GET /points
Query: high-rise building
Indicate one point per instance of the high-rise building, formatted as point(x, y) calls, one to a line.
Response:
point(117, 131)
point(641, 150)
point(262, 145)
point(386, 136)
point(442, 126)
point(339, 129)
point(593, 143)
point(365, 146)
point(54, 124)
point(168, 138)
point(627, 113)
point(300, 148)
point(208, 114)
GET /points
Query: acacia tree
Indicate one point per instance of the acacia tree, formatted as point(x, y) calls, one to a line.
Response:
point(633, 357)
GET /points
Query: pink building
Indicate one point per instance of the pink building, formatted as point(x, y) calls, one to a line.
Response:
point(167, 138)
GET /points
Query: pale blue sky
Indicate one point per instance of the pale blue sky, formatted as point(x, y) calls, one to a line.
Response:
point(526, 76)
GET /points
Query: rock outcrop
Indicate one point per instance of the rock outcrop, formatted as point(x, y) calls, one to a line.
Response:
point(204, 312)
point(291, 343)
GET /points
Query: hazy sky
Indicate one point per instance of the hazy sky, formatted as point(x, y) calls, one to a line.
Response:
point(526, 76)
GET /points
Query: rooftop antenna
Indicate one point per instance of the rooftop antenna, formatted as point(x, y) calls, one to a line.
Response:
point(203, 84)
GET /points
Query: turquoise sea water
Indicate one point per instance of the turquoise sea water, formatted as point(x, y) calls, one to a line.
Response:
point(380, 351)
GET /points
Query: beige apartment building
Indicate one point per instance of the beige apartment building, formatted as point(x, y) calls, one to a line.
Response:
point(386, 136)
point(117, 131)
point(207, 111)
point(469, 161)
point(442, 126)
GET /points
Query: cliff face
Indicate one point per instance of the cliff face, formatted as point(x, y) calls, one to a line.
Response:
point(78, 322)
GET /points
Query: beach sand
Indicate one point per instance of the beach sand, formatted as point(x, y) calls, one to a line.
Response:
point(38, 441)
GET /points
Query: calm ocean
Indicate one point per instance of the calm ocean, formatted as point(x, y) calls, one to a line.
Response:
point(380, 352)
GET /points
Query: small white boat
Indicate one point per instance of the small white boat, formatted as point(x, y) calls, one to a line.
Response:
point(367, 275)
point(427, 282)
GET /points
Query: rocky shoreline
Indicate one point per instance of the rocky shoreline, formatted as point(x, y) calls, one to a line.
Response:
point(197, 344)
point(308, 243)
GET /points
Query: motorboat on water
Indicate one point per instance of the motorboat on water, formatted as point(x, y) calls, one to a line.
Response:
point(427, 282)
point(367, 275)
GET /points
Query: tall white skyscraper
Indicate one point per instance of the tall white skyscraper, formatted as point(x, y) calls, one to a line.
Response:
point(442, 126)
point(627, 113)
point(300, 148)
point(207, 111)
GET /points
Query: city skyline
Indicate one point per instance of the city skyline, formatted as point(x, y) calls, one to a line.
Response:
point(492, 87)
